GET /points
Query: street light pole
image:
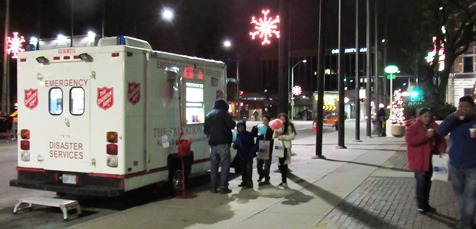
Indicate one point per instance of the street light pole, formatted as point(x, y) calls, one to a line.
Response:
point(6, 63)
point(238, 84)
point(292, 87)
point(227, 45)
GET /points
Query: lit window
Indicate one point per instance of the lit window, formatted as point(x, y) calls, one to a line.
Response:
point(76, 101)
point(56, 101)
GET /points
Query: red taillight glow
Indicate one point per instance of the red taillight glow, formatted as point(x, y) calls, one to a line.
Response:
point(23, 60)
point(25, 145)
point(111, 149)
point(115, 54)
point(56, 58)
point(66, 57)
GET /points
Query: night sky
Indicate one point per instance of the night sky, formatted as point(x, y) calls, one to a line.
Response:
point(199, 27)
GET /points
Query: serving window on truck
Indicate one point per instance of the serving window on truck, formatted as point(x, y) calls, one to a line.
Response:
point(194, 108)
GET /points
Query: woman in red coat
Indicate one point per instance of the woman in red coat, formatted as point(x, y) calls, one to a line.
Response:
point(422, 142)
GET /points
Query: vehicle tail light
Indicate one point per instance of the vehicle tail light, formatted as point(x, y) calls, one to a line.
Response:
point(25, 155)
point(111, 149)
point(25, 145)
point(25, 134)
point(112, 161)
point(115, 54)
point(111, 137)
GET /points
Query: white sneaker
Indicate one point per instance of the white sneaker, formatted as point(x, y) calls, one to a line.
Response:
point(283, 185)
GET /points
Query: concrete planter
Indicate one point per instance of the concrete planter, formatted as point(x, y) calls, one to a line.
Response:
point(397, 130)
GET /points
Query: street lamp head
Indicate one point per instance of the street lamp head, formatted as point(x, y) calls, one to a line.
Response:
point(167, 14)
point(227, 43)
point(304, 61)
point(391, 69)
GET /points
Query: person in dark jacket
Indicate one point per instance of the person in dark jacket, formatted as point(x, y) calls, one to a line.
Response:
point(264, 164)
point(245, 144)
point(462, 164)
point(218, 126)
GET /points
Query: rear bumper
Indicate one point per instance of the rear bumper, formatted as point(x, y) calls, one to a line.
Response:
point(87, 185)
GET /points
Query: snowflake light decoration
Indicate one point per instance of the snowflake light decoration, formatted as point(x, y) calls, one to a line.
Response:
point(265, 27)
point(297, 90)
point(15, 45)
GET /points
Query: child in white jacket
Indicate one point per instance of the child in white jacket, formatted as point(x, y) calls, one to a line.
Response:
point(285, 135)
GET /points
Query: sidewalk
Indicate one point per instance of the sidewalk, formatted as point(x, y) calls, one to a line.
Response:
point(366, 185)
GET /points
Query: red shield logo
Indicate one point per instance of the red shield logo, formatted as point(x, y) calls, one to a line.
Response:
point(105, 98)
point(31, 98)
point(133, 93)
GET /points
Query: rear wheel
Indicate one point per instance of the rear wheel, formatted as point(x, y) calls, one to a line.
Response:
point(177, 181)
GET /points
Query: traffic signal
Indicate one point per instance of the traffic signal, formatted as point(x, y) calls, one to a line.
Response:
point(416, 95)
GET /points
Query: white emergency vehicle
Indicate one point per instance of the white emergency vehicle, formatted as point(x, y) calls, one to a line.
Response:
point(105, 120)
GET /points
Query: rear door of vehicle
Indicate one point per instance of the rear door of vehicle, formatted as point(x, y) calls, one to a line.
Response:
point(65, 144)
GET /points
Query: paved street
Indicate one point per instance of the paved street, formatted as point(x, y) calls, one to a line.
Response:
point(366, 185)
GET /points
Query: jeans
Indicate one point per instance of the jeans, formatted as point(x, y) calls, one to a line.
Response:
point(220, 156)
point(247, 171)
point(263, 168)
point(423, 186)
point(283, 168)
point(463, 181)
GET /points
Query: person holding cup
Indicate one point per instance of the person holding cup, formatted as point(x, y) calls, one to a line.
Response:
point(422, 142)
point(462, 164)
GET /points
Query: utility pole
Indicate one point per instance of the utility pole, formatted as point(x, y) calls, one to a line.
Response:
point(369, 80)
point(341, 124)
point(283, 58)
point(357, 78)
point(6, 62)
point(320, 80)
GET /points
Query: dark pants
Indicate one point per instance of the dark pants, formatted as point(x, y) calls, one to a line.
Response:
point(246, 171)
point(464, 186)
point(263, 168)
point(283, 168)
point(423, 186)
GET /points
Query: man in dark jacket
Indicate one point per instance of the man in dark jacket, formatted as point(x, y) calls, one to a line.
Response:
point(462, 164)
point(218, 126)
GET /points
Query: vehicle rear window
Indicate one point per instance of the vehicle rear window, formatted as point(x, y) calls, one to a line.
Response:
point(76, 97)
point(56, 101)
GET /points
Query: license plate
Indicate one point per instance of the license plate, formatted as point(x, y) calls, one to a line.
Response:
point(69, 179)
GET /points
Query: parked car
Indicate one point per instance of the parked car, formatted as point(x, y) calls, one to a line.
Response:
point(330, 120)
point(14, 115)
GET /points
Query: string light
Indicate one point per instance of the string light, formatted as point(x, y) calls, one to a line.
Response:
point(397, 116)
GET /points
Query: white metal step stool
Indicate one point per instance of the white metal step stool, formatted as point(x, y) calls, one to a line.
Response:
point(63, 204)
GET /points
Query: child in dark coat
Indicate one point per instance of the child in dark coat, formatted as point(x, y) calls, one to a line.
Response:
point(264, 163)
point(245, 144)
